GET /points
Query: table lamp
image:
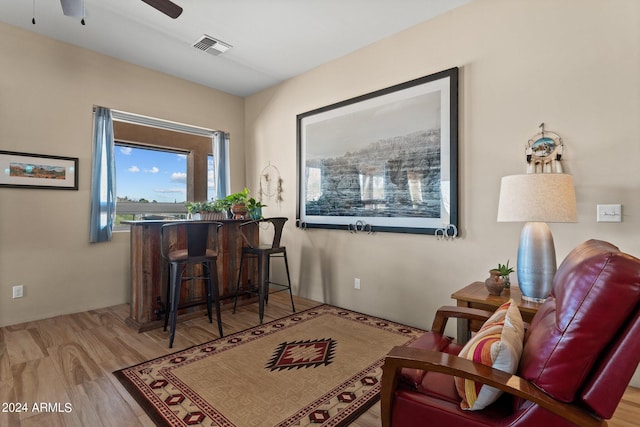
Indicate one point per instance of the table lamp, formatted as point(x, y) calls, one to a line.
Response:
point(536, 199)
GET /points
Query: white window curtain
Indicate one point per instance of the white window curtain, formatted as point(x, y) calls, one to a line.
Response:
point(103, 178)
point(220, 150)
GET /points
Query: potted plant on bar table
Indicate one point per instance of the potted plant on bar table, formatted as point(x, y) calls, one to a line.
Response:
point(255, 208)
point(213, 210)
point(238, 203)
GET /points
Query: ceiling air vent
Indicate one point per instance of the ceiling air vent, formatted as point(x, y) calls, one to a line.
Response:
point(210, 45)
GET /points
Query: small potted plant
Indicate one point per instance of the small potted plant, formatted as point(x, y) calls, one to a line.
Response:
point(238, 203)
point(255, 208)
point(194, 207)
point(207, 210)
point(505, 271)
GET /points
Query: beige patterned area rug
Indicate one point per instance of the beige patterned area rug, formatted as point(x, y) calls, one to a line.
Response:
point(319, 367)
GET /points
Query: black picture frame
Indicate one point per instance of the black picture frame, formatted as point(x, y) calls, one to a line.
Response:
point(384, 161)
point(38, 171)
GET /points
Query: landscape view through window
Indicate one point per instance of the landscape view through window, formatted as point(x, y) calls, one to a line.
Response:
point(150, 176)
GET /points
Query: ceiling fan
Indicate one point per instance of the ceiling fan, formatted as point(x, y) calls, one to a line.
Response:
point(76, 7)
point(167, 7)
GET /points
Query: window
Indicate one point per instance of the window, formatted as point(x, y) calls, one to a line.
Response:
point(147, 175)
point(160, 165)
point(150, 181)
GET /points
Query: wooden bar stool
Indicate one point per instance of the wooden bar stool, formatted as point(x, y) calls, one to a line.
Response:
point(264, 253)
point(191, 243)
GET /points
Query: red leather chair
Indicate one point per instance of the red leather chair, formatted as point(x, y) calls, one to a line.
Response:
point(580, 352)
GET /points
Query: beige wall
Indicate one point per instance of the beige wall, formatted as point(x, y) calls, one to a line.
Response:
point(572, 64)
point(47, 91)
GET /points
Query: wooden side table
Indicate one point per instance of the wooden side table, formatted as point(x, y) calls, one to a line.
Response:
point(476, 296)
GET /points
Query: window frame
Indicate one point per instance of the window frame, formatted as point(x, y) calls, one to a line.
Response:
point(141, 209)
point(145, 132)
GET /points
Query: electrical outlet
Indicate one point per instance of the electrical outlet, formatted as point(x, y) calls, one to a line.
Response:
point(18, 291)
point(356, 283)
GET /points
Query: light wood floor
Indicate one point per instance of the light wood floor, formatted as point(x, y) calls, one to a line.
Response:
point(69, 360)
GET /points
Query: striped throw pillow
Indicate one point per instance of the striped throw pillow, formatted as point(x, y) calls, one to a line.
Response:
point(498, 344)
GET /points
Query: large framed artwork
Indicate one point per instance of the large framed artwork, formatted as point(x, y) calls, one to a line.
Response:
point(26, 170)
point(384, 161)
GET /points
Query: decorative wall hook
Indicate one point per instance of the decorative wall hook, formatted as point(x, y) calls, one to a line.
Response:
point(447, 232)
point(360, 226)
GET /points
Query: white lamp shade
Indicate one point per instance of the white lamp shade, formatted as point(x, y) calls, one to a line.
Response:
point(537, 197)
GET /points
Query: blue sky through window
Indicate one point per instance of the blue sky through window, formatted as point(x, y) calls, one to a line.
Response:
point(149, 174)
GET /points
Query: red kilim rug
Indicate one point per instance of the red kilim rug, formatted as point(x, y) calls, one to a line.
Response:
point(319, 367)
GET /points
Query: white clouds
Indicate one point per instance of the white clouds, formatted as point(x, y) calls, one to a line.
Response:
point(179, 177)
point(126, 150)
point(135, 169)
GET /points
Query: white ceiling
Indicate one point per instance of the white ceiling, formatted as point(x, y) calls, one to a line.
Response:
point(273, 40)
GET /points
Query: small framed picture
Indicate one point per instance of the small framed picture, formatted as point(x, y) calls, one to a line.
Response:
point(26, 170)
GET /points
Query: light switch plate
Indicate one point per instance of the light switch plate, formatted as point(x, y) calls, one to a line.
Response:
point(18, 291)
point(609, 213)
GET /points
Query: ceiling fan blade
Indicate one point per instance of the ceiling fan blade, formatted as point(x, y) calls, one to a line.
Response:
point(167, 7)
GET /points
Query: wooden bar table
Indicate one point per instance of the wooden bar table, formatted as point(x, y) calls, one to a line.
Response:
point(476, 296)
point(149, 272)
